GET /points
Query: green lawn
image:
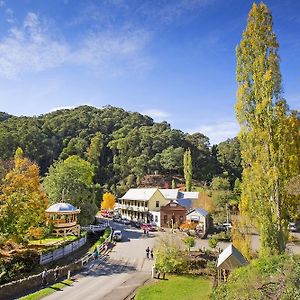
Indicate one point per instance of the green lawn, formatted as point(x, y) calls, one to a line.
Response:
point(176, 287)
point(48, 291)
point(52, 240)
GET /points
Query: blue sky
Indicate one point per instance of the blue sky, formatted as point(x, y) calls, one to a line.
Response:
point(171, 59)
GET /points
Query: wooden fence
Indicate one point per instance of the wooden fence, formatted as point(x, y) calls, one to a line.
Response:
point(61, 252)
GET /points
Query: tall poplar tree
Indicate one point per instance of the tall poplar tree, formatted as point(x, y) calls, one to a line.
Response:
point(268, 131)
point(188, 169)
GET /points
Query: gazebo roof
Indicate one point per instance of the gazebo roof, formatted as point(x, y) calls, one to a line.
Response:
point(62, 208)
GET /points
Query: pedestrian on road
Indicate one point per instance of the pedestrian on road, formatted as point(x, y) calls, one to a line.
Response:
point(106, 247)
point(147, 252)
point(144, 231)
point(56, 273)
point(151, 253)
point(44, 277)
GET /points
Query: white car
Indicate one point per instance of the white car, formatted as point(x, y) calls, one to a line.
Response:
point(117, 235)
point(227, 225)
point(292, 227)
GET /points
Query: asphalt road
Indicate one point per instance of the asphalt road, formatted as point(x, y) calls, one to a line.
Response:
point(117, 275)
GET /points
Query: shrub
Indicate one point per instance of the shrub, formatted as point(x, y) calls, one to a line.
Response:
point(213, 242)
point(170, 256)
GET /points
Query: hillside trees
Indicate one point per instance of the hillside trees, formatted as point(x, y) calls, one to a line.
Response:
point(22, 200)
point(73, 178)
point(229, 157)
point(269, 136)
point(123, 146)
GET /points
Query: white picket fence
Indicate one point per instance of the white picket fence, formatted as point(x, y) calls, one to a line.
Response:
point(95, 228)
point(61, 252)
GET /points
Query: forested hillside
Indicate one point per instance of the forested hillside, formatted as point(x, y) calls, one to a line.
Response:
point(123, 146)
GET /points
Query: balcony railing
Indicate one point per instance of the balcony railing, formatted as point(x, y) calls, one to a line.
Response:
point(131, 207)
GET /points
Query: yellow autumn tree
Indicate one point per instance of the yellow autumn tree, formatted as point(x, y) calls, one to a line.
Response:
point(22, 200)
point(108, 201)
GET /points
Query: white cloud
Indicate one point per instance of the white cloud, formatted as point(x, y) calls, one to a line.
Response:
point(30, 49)
point(156, 113)
point(218, 131)
point(112, 51)
point(10, 18)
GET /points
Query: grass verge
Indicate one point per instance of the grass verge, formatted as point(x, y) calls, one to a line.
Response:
point(48, 291)
point(181, 287)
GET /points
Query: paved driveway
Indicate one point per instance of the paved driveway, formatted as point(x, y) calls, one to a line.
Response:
point(117, 275)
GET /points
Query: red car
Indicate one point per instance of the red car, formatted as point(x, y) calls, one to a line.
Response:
point(149, 227)
point(106, 214)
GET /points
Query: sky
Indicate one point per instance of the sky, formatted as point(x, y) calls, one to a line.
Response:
point(173, 60)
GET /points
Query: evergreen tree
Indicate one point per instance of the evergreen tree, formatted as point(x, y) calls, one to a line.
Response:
point(268, 149)
point(188, 169)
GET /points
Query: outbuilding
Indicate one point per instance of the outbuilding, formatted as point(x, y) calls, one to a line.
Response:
point(228, 260)
point(199, 216)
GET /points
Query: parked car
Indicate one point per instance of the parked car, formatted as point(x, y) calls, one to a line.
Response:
point(117, 219)
point(292, 226)
point(106, 213)
point(228, 226)
point(125, 221)
point(135, 224)
point(117, 235)
point(149, 227)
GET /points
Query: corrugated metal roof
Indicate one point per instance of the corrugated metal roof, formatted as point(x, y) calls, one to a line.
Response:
point(139, 194)
point(170, 194)
point(230, 259)
point(200, 211)
point(187, 203)
point(188, 195)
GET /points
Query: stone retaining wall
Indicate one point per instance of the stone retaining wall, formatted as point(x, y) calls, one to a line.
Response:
point(15, 289)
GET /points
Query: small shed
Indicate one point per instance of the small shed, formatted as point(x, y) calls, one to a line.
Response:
point(229, 259)
point(63, 217)
point(199, 216)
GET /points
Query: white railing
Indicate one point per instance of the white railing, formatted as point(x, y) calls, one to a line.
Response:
point(61, 252)
point(131, 207)
point(94, 228)
point(90, 256)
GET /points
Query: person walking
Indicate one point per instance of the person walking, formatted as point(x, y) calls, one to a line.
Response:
point(44, 277)
point(151, 253)
point(56, 273)
point(147, 252)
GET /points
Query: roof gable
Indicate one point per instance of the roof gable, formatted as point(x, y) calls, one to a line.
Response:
point(230, 258)
point(170, 194)
point(200, 211)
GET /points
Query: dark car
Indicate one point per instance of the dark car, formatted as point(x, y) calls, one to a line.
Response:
point(135, 224)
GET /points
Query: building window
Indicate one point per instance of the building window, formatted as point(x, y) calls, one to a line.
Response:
point(157, 203)
point(156, 219)
point(146, 204)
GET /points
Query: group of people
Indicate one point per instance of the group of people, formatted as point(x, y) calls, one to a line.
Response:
point(45, 276)
point(149, 253)
point(146, 232)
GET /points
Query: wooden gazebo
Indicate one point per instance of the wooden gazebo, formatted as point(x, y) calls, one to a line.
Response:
point(63, 217)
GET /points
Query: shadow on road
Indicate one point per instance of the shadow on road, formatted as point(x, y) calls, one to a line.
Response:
point(108, 267)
